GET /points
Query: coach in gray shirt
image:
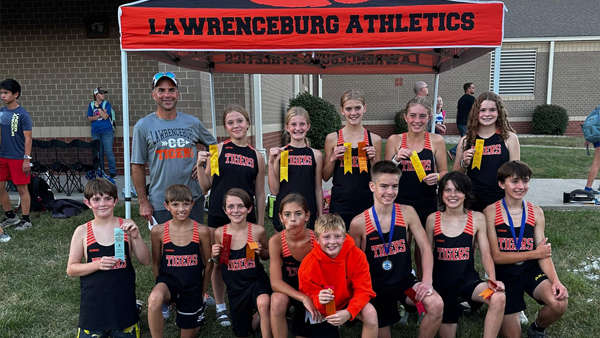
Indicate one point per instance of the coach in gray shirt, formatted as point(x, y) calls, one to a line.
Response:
point(166, 140)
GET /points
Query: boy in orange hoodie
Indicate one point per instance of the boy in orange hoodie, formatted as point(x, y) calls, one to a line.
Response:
point(337, 271)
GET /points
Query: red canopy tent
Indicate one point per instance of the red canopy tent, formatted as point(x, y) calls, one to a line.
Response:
point(307, 36)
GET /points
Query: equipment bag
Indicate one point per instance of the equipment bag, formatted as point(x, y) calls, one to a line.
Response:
point(41, 194)
point(591, 126)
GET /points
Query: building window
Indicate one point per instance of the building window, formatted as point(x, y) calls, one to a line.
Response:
point(517, 72)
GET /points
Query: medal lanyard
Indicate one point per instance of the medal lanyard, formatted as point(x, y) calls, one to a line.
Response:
point(512, 227)
point(386, 246)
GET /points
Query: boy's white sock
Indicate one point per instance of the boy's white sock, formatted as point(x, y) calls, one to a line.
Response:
point(221, 307)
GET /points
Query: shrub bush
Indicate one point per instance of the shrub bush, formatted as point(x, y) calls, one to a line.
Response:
point(324, 118)
point(400, 123)
point(549, 119)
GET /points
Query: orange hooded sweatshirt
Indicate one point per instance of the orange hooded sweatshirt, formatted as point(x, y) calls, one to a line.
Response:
point(347, 274)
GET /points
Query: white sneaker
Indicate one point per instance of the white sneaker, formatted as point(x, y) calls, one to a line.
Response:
point(7, 222)
point(209, 300)
point(223, 318)
point(523, 318)
point(23, 225)
point(4, 238)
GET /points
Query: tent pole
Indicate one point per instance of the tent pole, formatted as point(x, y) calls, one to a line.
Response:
point(497, 60)
point(435, 95)
point(126, 158)
point(320, 86)
point(213, 114)
point(258, 121)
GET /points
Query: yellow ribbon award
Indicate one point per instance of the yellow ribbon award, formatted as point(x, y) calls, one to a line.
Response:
point(478, 154)
point(283, 166)
point(416, 163)
point(214, 159)
point(348, 158)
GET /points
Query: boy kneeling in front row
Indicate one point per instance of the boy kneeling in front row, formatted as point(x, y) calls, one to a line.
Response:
point(383, 233)
point(180, 251)
point(522, 254)
point(335, 275)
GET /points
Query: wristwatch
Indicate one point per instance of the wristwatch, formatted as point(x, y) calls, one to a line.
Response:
point(27, 157)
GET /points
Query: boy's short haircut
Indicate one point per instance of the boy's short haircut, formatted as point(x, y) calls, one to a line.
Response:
point(329, 222)
point(99, 186)
point(384, 167)
point(518, 169)
point(239, 193)
point(179, 193)
point(12, 86)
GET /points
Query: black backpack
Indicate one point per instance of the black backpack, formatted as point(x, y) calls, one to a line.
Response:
point(41, 194)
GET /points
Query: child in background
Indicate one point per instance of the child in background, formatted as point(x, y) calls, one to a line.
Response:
point(337, 271)
point(286, 251)
point(244, 276)
point(108, 305)
point(180, 252)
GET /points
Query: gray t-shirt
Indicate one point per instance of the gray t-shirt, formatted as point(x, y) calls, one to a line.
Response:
point(169, 147)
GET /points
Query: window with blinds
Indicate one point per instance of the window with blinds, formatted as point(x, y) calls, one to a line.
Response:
point(517, 72)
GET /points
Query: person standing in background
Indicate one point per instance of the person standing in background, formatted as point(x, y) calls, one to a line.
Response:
point(15, 153)
point(99, 114)
point(462, 112)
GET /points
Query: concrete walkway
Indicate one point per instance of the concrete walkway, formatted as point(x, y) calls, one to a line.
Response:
point(545, 192)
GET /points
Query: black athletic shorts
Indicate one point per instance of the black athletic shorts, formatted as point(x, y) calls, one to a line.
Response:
point(298, 327)
point(242, 306)
point(387, 298)
point(188, 302)
point(453, 295)
point(516, 286)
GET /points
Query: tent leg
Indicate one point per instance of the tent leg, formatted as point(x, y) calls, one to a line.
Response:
point(258, 125)
point(435, 95)
point(213, 114)
point(126, 156)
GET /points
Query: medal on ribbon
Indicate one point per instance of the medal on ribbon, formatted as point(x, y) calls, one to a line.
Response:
point(516, 240)
point(348, 158)
point(362, 157)
point(416, 163)
point(476, 162)
point(283, 166)
point(119, 244)
point(387, 263)
point(224, 257)
point(214, 159)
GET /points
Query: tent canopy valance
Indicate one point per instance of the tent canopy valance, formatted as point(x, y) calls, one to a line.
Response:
point(305, 37)
point(312, 36)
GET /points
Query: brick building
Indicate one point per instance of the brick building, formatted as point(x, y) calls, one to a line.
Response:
point(533, 31)
point(59, 50)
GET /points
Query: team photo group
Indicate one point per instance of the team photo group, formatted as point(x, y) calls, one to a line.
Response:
point(400, 228)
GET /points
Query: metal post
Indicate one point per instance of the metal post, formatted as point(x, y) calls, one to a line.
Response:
point(435, 95)
point(258, 125)
point(497, 60)
point(213, 114)
point(550, 73)
point(126, 156)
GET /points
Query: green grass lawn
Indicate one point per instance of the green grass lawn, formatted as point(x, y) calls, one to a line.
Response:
point(553, 162)
point(39, 300)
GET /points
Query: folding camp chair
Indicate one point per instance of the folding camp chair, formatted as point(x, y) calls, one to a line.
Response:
point(86, 159)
